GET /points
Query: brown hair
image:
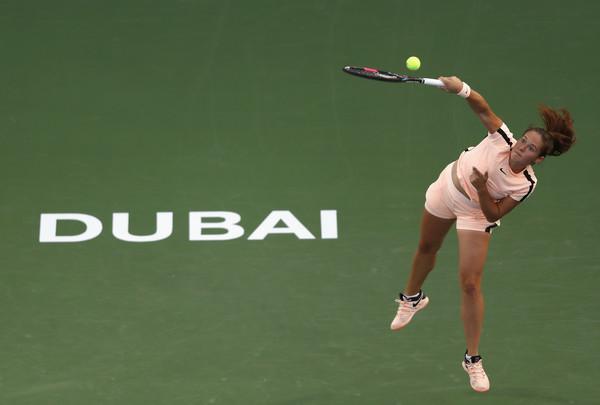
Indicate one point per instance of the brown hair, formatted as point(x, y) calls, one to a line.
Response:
point(558, 134)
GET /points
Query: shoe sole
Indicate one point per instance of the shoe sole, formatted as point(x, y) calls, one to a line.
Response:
point(476, 389)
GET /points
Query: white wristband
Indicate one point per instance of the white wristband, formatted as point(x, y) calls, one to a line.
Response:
point(465, 92)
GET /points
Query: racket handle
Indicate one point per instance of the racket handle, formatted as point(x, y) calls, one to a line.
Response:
point(433, 82)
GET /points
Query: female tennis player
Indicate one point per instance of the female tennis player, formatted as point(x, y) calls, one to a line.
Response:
point(484, 184)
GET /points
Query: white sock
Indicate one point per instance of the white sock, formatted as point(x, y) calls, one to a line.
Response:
point(413, 296)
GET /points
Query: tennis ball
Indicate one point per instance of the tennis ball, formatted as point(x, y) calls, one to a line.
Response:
point(413, 63)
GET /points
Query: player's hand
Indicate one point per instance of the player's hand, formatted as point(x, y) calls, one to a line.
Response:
point(452, 84)
point(478, 179)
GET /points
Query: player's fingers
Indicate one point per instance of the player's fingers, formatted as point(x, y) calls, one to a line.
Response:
point(445, 87)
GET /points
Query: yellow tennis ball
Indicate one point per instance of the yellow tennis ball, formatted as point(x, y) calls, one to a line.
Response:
point(413, 63)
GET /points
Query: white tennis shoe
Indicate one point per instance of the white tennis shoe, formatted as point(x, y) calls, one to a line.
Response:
point(407, 308)
point(479, 380)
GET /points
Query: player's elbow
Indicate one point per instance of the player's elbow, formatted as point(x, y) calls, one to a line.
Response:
point(492, 216)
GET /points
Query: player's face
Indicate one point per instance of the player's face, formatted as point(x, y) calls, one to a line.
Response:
point(528, 149)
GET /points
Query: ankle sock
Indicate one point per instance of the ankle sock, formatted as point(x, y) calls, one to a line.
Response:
point(413, 297)
point(472, 359)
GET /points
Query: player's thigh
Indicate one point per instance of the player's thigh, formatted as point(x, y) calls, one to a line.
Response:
point(473, 248)
point(433, 231)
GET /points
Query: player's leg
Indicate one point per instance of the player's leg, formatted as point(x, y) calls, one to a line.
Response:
point(433, 232)
point(473, 247)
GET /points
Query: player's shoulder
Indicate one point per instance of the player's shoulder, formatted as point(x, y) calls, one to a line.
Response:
point(529, 175)
point(502, 135)
point(529, 183)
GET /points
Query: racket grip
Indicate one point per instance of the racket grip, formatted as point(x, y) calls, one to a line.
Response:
point(433, 82)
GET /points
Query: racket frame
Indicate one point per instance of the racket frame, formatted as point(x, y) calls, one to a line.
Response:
point(376, 74)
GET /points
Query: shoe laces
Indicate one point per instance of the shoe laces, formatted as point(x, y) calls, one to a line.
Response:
point(405, 306)
point(476, 368)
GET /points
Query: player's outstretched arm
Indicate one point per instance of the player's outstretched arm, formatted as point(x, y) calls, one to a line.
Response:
point(476, 101)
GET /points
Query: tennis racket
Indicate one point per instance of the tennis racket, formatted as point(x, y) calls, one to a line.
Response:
point(390, 77)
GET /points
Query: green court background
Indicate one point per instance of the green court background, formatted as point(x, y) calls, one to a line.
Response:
point(147, 106)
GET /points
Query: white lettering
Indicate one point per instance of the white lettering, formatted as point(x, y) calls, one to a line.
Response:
point(48, 224)
point(229, 223)
point(293, 226)
point(164, 227)
point(203, 226)
point(329, 228)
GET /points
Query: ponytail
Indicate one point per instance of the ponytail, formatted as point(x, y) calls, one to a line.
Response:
point(558, 133)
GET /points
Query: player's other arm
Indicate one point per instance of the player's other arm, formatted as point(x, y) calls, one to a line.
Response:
point(492, 210)
point(477, 103)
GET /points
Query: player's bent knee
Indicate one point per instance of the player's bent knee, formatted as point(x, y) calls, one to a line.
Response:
point(426, 247)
